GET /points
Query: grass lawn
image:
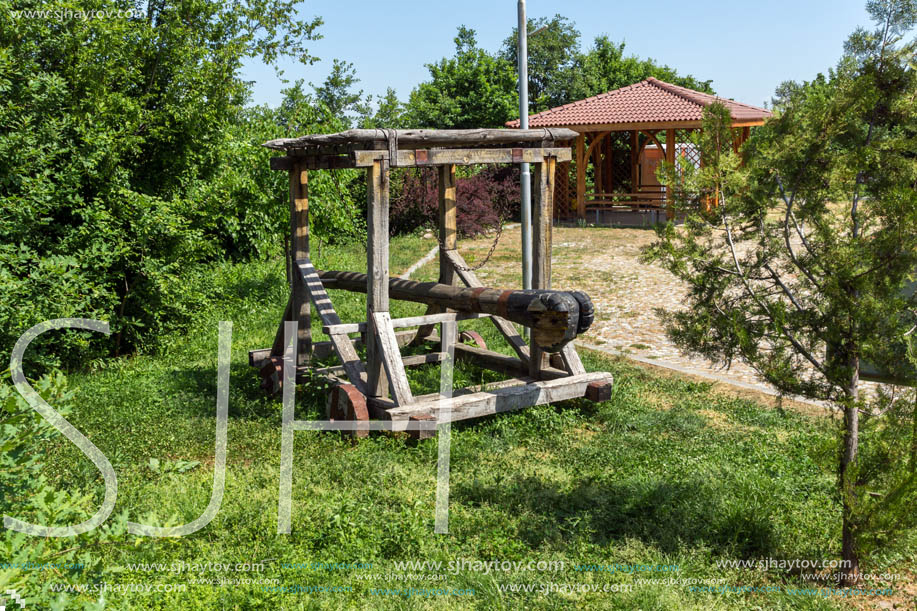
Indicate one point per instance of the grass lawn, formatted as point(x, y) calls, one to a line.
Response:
point(668, 472)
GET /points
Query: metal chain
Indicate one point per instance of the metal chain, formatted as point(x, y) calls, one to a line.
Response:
point(490, 252)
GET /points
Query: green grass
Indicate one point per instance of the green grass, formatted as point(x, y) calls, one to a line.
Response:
point(666, 472)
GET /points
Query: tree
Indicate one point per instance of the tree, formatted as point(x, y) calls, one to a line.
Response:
point(389, 113)
point(471, 89)
point(107, 127)
point(553, 57)
point(605, 67)
point(799, 269)
point(337, 94)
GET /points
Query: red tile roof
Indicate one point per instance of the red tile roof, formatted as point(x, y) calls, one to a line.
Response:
point(649, 101)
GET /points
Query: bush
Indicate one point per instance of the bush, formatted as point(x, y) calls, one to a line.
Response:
point(26, 494)
point(484, 199)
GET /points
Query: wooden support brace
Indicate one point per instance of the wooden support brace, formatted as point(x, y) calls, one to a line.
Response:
point(391, 358)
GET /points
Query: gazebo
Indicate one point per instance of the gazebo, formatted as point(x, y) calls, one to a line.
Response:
point(622, 136)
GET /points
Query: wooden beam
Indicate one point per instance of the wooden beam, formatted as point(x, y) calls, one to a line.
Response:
point(343, 348)
point(425, 138)
point(299, 249)
point(377, 212)
point(670, 158)
point(581, 176)
point(411, 158)
point(476, 405)
point(391, 358)
point(543, 213)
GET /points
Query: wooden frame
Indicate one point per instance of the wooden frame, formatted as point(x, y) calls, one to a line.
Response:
point(381, 379)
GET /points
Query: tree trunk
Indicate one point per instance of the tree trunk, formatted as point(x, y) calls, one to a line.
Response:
point(850, 492)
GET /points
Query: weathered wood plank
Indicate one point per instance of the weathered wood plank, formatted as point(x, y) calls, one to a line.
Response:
point(476, 405)
point(391, 358)
point(542, 216)
point(299, 249)
point(462, 156)
point(425, 138)
point(377, 212)
point(308, 277)
point(571, 360)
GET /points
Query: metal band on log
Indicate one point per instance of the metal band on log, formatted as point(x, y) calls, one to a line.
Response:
point(555, 317)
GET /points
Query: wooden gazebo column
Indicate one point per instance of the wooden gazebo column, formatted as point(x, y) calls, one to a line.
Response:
point(581, 175)
point(669, 158)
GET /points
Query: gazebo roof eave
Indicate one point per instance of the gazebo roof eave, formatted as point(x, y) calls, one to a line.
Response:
point(651, 125)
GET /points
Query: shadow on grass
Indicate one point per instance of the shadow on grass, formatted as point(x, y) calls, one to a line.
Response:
point(666, 515)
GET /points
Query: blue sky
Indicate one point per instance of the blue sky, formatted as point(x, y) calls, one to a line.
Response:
point(747, 48)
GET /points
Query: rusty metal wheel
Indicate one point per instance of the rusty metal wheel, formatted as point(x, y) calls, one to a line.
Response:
point(346, 403)
point(473, 336)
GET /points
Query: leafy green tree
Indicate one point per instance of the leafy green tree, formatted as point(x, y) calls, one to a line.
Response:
point(471, 89)
point(106, 128)
point(605, 67)
point(799, 270)
point(338, 95)
point(389, 112)
point(553, 57)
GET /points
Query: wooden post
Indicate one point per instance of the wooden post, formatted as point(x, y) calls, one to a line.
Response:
point(580, 176)
point(634, 159)
point(541, 245)
point(377, 208)
point(670, 158)
point(299, 249)
point(447, 238)
point(447, 222)
point(597, 166)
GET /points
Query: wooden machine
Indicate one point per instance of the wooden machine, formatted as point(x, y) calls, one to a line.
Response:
point(545, 370)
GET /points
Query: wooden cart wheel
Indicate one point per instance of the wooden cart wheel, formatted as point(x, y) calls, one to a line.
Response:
point(272, 375)
point(347, 403)
point(473, 336)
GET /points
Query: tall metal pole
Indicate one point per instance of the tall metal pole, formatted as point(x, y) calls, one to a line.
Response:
point(522, 54)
